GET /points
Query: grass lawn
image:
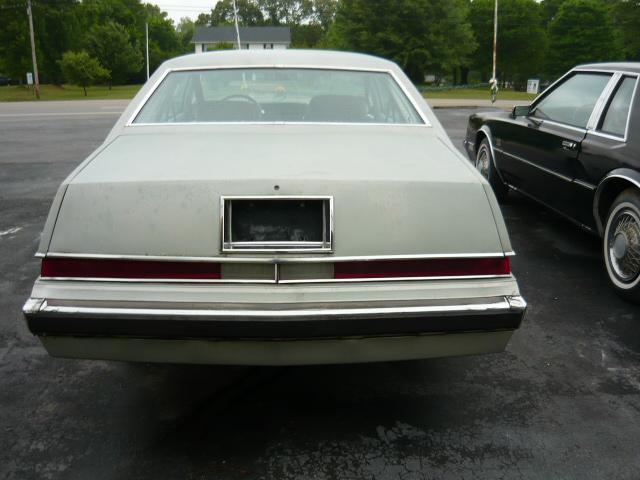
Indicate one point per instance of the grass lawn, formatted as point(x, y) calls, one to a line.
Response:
point(14, 93)
point(477, 93)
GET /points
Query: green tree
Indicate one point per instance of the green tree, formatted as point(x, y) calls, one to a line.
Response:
point(203, 20)
point(324, 12)
point(286, 12)
point(522, 39)
point(453, 38)
point(110, 44)
point(249, 13)
point(581, 32)
point(306, 36)
point(184, 32)
point(15, 53)
point(550, 8)
point(420, 35)
point(626, 15)
point(56, 31)
point(80, 69)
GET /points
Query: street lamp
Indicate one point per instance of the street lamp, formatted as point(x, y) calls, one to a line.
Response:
point(494, 81)
point(235, 20)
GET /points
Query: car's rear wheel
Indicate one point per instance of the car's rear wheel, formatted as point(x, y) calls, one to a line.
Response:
point(622, 245)
point(486, 166)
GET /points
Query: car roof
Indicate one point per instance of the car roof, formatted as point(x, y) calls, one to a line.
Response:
point(617, 66)
point(282, 57)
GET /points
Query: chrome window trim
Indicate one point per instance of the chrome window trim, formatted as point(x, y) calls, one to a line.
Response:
point(405, 91)
point(555, 84)
point(605, 70)
point(540, 167)
point(278, 260)
point(605, 108)
point(565, 125)
point(598, 133)
point(279, 247)
point(231, 124)
point(603, 100)
point(547, 90)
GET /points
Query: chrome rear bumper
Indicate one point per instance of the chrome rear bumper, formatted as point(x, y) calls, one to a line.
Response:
point(271, 321)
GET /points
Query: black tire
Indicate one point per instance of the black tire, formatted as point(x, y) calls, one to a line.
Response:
point(485, 165)
point(621, 245)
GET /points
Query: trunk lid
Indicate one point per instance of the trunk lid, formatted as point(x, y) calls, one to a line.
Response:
point(396, 190)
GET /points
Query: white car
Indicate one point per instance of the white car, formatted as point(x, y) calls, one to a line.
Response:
point(276, 207)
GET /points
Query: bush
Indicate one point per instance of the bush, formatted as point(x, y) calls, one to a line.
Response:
point(81, 69)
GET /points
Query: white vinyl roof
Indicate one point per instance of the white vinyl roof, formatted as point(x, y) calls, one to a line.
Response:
point(289, 58)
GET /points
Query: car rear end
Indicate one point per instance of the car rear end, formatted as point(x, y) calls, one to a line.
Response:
point(257, 263)
point(272, 243)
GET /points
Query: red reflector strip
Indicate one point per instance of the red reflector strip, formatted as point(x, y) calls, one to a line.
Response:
point(91, 268)
point(452, 267)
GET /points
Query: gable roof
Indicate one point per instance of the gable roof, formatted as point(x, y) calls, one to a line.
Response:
point(247, 35)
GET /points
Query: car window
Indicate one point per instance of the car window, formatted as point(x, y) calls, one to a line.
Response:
point(278, 95)
point(617, 113)
point(572, 102)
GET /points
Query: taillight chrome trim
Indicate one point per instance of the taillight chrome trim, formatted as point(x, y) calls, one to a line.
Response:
point(272, 282)
point(397, 279)
point(279, 260)
point(275, 280)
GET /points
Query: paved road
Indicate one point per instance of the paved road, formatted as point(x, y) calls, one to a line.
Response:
point(562, 402)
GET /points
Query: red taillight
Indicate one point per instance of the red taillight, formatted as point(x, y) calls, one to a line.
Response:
point(91, 268)
point(451, 267)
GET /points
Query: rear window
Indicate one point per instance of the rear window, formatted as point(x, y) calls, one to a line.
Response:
point(278, 95)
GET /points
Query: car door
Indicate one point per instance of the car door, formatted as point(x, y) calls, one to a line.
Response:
point(540, 151)
point(608, 146)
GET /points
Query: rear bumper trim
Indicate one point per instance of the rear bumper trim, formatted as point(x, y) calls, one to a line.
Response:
point(163, 320)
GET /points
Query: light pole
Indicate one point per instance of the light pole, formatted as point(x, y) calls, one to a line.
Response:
point(235, 20)
point(146, 35)
point(494, 80)
point(33, 52)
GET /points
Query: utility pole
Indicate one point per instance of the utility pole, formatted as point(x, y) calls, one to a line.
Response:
point(33, 52)
point(146, 35)
point(494, 80)
point(235, 18)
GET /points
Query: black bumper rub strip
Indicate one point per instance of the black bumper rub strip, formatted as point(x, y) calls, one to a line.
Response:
point(504, 314)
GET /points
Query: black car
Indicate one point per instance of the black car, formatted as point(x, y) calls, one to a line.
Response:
point(5, 81)
point(575, 149)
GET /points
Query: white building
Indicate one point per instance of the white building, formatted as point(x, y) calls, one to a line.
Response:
point(251, 38)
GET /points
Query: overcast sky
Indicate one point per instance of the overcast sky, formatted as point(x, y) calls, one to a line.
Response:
point(184, 8)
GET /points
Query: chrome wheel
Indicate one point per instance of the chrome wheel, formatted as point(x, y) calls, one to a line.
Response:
point(622, 245)
point(483, 159)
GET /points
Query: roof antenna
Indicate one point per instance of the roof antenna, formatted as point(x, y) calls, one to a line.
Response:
point(235, 18)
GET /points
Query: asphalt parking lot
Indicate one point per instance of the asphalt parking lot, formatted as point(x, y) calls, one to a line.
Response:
point(563, 402)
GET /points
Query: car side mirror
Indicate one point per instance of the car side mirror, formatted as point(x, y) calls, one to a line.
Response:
point(520, 111)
